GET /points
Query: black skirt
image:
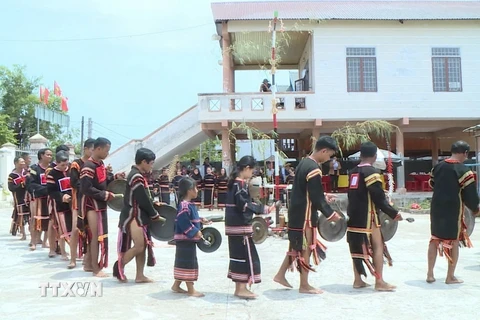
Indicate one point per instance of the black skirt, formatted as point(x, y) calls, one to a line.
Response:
point(362, 253)
point(208, 197)
point(222, 199)
point(198, 200)
point(244, 264)
point(186, 263)
point(165, 197)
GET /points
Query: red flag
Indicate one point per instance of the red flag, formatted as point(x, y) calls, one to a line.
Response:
point(64, 104)
point(46, 93)
point(41, 93)
point(56, 89)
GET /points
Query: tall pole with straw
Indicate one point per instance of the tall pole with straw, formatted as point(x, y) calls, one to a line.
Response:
point(273, 29)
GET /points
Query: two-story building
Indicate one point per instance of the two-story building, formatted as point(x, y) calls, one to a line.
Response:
point(415, 64)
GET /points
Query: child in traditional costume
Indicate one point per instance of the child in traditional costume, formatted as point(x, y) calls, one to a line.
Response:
point(187, 234)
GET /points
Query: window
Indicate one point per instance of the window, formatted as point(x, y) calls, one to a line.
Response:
point(446, 70)
point(361, 70)
point(288, 145)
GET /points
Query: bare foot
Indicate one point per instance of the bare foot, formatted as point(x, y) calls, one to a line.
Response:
point(32, 247)
point(100, 274)
point(23, 238)
point(282, 281)
point(430, 279)
point(360, 284)
point(44, 245)
point(177, 289)
point(196, 294)
point(87, 269)
point(71, 265)
point(40, 242)
point(52, 254)
point(65, 257)
point(383, 286)
point(453, 280)
point(245, 294)
point(143, 280)
point(310, 290)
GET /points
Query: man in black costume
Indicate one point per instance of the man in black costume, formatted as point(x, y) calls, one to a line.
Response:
point(454, 189)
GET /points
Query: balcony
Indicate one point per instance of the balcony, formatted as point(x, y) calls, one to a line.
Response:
point(255, 106)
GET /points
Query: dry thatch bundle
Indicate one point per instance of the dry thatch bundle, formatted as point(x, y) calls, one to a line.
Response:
point(172, 167)
point(351, 135)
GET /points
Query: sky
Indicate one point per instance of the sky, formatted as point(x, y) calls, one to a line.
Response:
point(129, 86)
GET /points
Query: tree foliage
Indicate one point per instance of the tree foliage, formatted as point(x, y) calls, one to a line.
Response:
point(209, 149)
point(19, 95)
point(6, 135)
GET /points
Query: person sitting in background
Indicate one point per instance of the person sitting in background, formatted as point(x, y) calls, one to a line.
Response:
point(265, 86)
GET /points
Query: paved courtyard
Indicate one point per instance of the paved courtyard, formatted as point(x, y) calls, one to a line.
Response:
point(22, 271)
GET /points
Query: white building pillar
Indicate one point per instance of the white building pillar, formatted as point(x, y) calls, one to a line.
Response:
point(7, 155)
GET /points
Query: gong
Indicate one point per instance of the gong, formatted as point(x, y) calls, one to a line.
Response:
point(117, 187)
point(388, 226)
point(164, 231)
point(332, 231)
point(469, 220)
point(212, 240)
point(260, 230)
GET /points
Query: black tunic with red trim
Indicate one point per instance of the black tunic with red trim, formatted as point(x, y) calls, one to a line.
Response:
point(16, 185)
point(365, 198)
point(209, 188)
point(93, 186)
point(75, 169)
point(58, 183)
point(453, 188)
point(139, 209)
point(307, 198)
point(37, 186)
point(221, 186)
point(198, 179)
point(164, 185)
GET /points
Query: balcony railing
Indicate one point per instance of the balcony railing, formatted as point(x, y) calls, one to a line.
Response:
point(254, 106)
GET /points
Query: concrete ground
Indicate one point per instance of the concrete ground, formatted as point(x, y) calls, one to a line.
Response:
point(22, 271)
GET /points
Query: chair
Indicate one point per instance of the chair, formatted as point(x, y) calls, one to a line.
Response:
point(412, 185)
point(425, 186)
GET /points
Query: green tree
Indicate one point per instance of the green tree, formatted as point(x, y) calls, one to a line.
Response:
point(73, 136)
point(210, 148)
point(6, 134)
point(18, 98)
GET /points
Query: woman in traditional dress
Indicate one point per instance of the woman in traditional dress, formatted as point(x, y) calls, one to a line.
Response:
point(244, 265)
point(221, 186)
point(198, 179)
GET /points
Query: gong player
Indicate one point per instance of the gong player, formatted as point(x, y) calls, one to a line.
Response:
point(93, 187)
point(307, 198)
point(365, 198)
point(135, 218)
point(453, 188)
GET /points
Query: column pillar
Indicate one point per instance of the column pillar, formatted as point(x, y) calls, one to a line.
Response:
point(315, 133)
point(71, 152)
point(435, 147)
point(226, 153)
point(227, 61)
point(7, 155)
point(37, 142)
point(400, 152)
